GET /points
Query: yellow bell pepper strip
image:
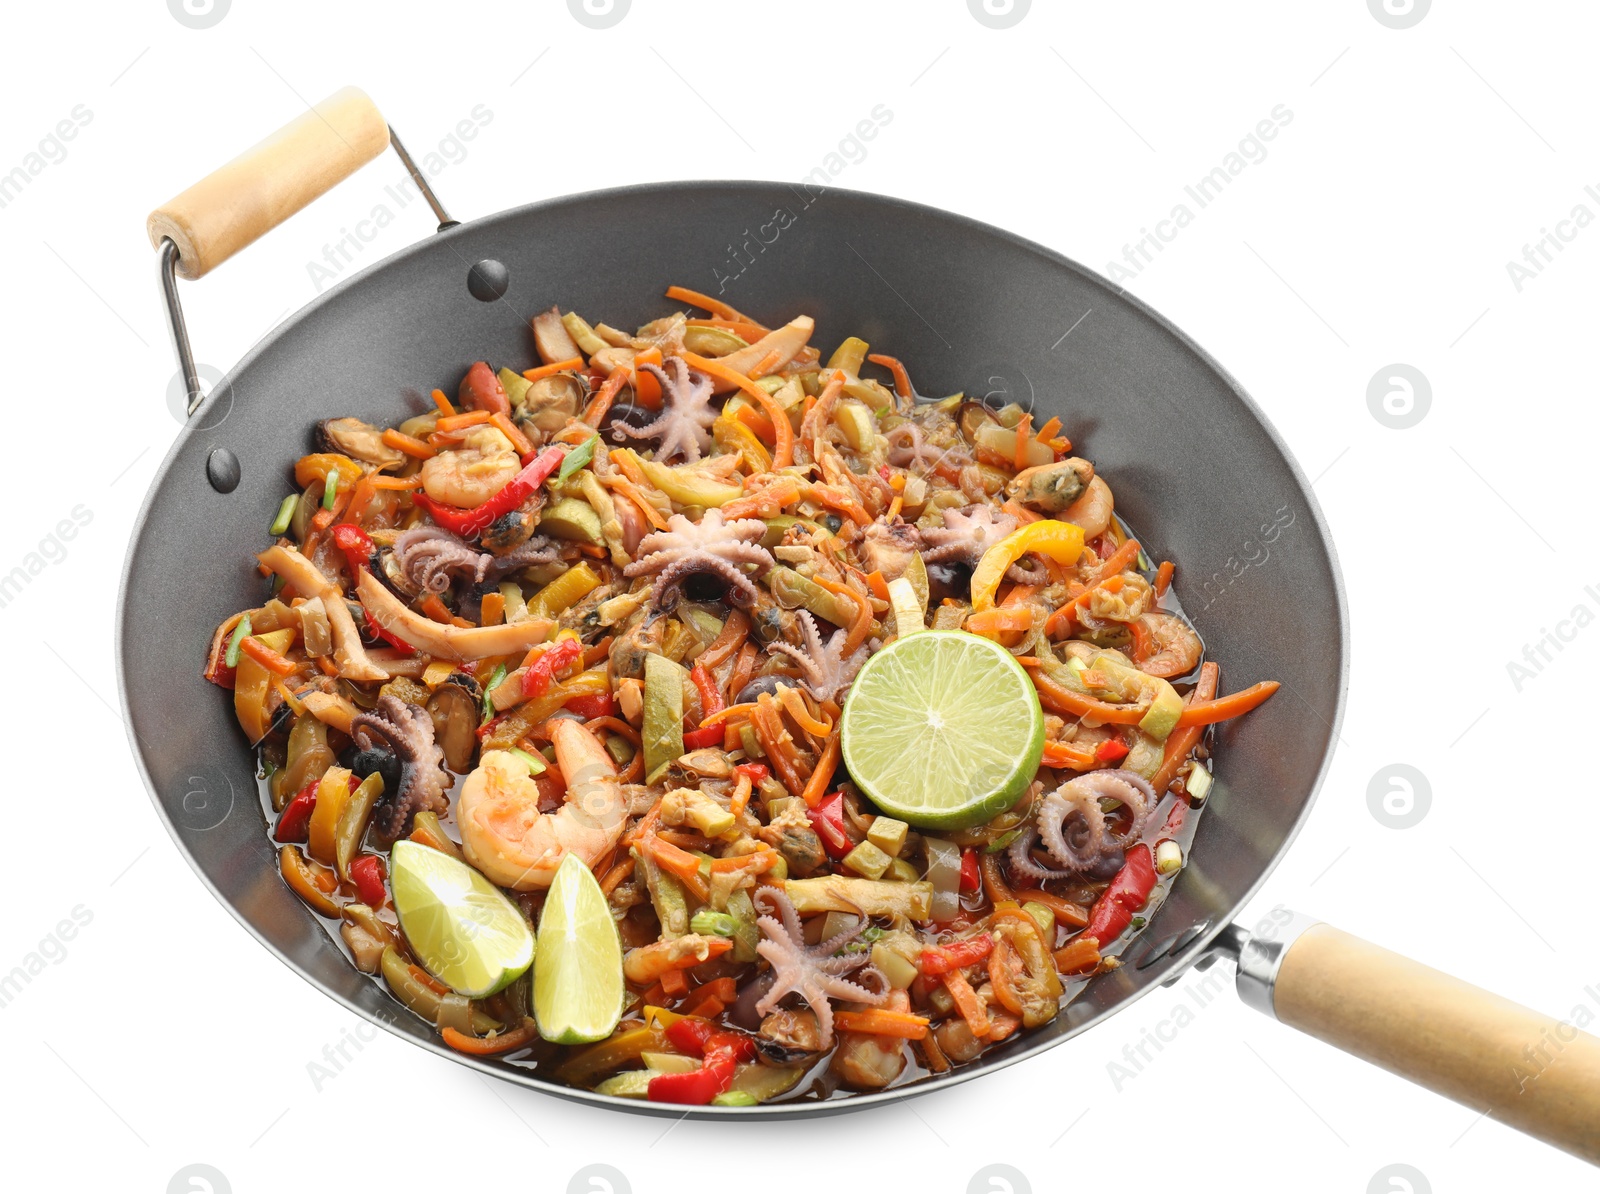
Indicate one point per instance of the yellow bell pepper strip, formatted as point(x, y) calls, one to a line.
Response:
point(333, 794)
point(1060, 541)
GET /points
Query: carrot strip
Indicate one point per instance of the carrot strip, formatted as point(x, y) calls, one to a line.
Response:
point(748, 332)
point(1204, 713)
point(600, 404)
point(1078, 956)
point(882, 1022)
point(863, 619)
point(1076, 704)
point(741, 795)
point(616, 875)
point(1048, 431)
point(493, 609)
point(968, 1004)
point(760, 860)
point(674, 984)
point(776, 743)
point(1064, 754)
point(782, 432)
point(708, 1007)
point(743, 668)
point(266, 656)
point(487, 1046)
point(459, 422)
point(1024, 434)
point(436, 609)
point(443, 403)
point(717, 307)
point(822, 774)
point(1065, 911)
point(1163, 578)
point(574, 365)
point(681, 864)
point(409, 444)
point(512, 432)
point(991, 623)
point(712, 719)
point(645, 386)
point(795, 706)
point(765, 365)
point(902, 379)
point(734, 632)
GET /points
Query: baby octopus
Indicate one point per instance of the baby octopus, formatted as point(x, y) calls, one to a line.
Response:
point(1075, 831)
point(811, 971)
point(407, 730)
point(686, 413)
point(711, 545)
point(827, 672)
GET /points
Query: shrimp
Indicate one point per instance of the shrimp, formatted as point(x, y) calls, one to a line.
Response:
point(473, 473)
point(504, 834)
point(1092, 510)
point(1164, 645)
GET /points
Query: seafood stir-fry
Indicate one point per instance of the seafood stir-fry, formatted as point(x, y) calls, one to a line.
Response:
point(609, 653)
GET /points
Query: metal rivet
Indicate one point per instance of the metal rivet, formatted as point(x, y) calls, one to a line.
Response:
point(488, 280)
point(222, 470)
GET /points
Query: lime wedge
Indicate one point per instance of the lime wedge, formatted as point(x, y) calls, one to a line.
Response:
point(577, 985)
point(942, 729)
point(462, 928)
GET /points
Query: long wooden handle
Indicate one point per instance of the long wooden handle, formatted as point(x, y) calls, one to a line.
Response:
point(265, 185)
point(1537, 1074)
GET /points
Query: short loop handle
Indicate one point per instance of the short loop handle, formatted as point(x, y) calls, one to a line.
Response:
point(262, 187)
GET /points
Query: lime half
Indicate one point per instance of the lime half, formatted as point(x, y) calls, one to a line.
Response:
point(942, 729)
point(462, 928)
point(577, 985)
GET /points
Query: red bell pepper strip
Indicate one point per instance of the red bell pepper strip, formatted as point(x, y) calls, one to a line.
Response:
point(1111, 751)
point(710, 702)
point(694, 1035)
point(593, 704)
point(1113, 911)
point(700, 739)
point(827, 818)
point(754, 772)
point(957, 955)
point(469, 523)
point(542, 671)
point(295, 822)
point(356, 544)
point(367, 871)
point(971, 880)
point(376, 629)
point(697, 1087)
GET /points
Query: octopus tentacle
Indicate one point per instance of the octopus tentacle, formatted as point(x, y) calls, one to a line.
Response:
point(538, 550)
point(741, 591)
point(427, 555)
point(827, 671)
point(1020, 857)
point(1093, 848)
point(407, 730)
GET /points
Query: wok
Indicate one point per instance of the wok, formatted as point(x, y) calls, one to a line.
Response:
point(1195, 466)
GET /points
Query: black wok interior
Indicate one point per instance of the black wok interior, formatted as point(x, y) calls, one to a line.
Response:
point(967, 307)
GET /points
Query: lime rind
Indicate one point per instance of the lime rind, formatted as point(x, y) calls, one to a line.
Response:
point(462, 928)
point(577, 986)
point(942, 729)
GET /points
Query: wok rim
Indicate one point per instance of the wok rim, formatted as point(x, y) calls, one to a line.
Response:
point(1165, 972)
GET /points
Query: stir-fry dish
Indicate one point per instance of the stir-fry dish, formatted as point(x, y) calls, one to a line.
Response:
point(690, 717)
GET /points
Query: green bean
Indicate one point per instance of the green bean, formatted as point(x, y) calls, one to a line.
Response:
point(420, 997)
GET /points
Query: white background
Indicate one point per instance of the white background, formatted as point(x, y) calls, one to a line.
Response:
point(1376, 230)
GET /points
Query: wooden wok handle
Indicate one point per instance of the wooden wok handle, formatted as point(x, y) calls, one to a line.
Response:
point(1535, 1073)
point(268, 183)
